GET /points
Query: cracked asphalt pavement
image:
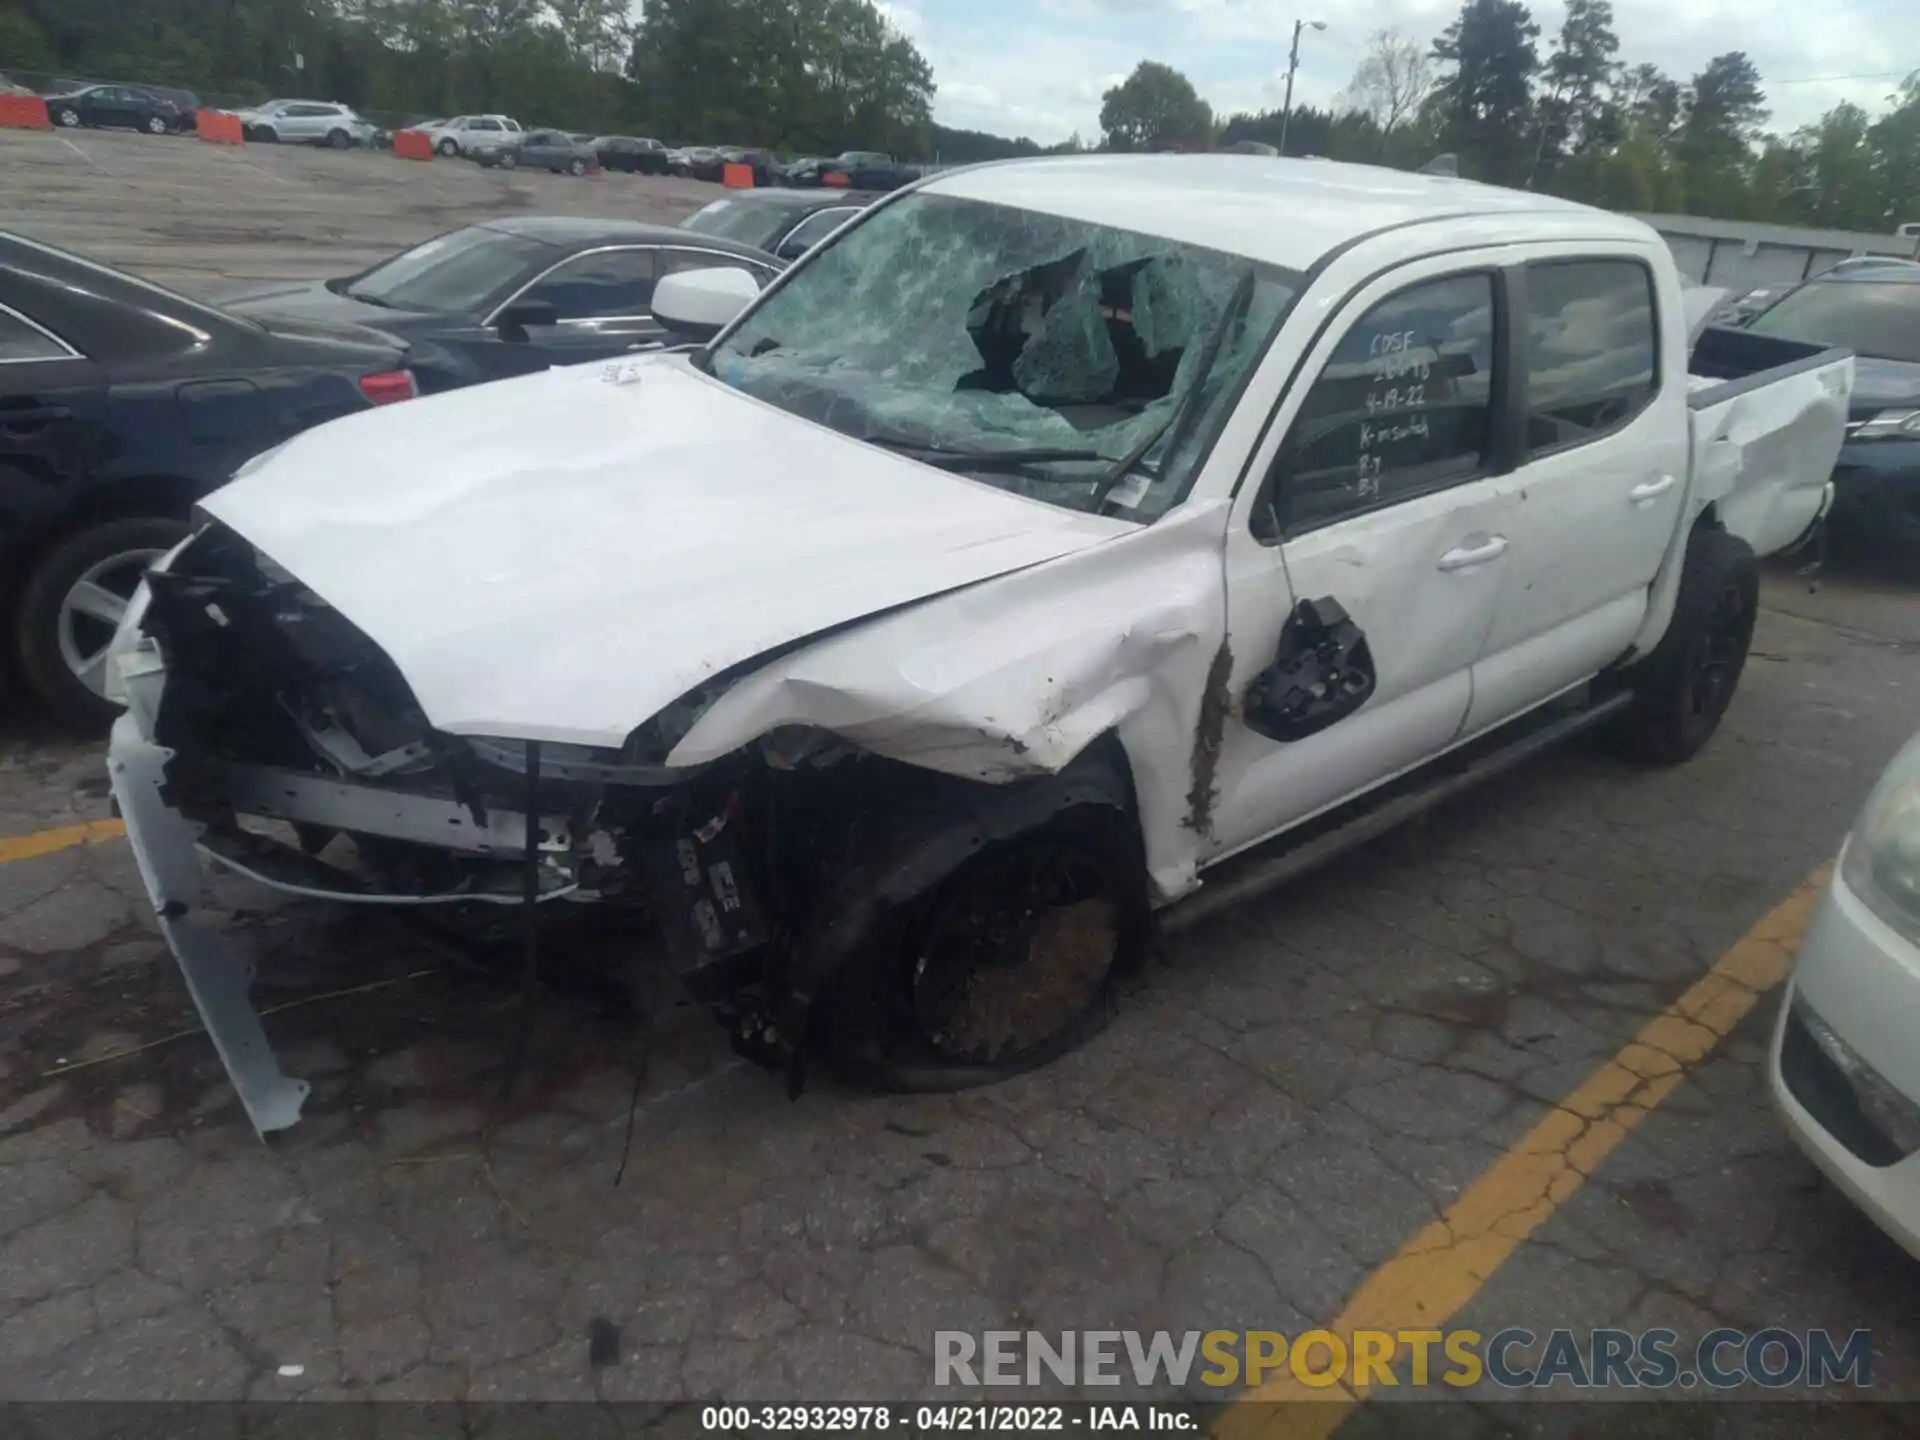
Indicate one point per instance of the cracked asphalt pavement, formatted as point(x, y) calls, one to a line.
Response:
point(1287, 1094)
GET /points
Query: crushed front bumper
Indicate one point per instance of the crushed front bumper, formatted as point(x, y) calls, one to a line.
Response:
point(218, 971)
point(170, 849)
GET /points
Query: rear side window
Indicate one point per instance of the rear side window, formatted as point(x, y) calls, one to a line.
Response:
point(815, 228)
point(612, 283)
point(1592, 349)
point(21, 341)
point(1403, 406)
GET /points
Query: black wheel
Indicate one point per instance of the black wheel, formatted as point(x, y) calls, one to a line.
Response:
point(507, 159)
point(576, 166)
point(156, 125)
point(71, 605)
point(68, 117)
point(1005, 964)
point(339, 139)
point(448, 148)
point(266, 135)
point(1682, 689)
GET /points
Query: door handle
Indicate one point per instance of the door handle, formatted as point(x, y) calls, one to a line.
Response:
point(1469, 555)
point(31, 417)
point(1652, 489)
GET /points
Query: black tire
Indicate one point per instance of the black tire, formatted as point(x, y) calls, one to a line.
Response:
point(67, 117)
point(266, 135)
point(448, 148)
point(1682, 689)
point(156, 125)
point(576, 166)
point(338, 139)
point(917, 1006)
point(37, 621)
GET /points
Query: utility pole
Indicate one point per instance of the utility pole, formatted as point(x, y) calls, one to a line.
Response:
point(1293, 64)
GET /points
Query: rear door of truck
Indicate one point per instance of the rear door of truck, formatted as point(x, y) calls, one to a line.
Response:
point(1766, 417)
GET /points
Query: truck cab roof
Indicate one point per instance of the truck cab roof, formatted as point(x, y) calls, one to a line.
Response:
point(1293, 213)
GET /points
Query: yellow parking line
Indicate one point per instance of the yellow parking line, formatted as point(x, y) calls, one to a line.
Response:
point(1440, 1269)
point(46, 842)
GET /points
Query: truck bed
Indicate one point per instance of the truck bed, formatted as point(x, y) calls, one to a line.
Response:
point(1767, 417)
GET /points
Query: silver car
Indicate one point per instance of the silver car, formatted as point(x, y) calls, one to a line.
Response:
point(306, 122)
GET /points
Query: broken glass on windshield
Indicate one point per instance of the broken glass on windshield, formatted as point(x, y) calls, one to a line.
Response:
point(1053, 348)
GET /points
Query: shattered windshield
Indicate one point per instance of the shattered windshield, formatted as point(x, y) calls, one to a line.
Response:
point(1074, 363)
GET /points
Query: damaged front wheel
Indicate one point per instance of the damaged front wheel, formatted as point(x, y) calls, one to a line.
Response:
point(1003, 966)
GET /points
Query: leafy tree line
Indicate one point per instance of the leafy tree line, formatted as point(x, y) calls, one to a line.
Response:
point(800, 75)
point(1575, 120)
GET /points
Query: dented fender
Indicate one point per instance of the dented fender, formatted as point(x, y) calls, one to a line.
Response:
point(1015, 677)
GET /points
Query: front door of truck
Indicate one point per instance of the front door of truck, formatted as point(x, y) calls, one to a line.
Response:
point(1367, 550)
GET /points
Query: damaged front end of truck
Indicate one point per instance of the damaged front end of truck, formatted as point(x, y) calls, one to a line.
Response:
point(267, 734)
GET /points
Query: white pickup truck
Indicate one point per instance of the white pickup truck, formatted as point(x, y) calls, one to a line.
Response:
point(1047, 549)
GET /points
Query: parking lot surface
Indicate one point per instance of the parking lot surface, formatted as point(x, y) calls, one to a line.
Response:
point(1285, 1099)
point(208, 219)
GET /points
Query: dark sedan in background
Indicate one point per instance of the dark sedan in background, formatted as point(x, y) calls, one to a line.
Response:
point(121, 404)
point(858, 169)
point(632, 153)
point(1875, 312)
point(785, 223)
point(512, 296)
point(123, 107)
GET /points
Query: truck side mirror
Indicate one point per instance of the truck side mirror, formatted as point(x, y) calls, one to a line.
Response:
point(702, 303)
point(1321, 673)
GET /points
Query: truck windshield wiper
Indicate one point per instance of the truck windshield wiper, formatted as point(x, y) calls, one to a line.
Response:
point(949, 457)
point(1184, 411)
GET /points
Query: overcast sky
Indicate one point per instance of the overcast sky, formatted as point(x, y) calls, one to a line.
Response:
point(1038, 67)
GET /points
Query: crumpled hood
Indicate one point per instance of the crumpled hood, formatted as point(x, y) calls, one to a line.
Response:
point(559, 557)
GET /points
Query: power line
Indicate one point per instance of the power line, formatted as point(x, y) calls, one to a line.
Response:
point(1827, 79)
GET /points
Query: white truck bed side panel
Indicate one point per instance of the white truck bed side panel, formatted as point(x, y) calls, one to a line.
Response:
point(1764, 451)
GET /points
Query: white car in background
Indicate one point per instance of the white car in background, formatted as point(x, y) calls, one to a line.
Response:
point(1846, 1066)
point(306, 122)
point(463, 134)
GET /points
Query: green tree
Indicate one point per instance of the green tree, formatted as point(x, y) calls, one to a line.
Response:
point(1838, 181)
point(1576, 112)
point(1484, 101)
point(1723, 111)
point(1896, 151)
point(1155, 108)
point(24, 45)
